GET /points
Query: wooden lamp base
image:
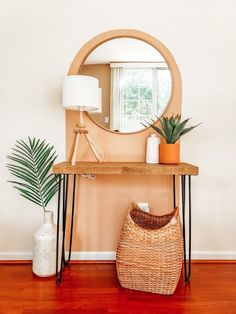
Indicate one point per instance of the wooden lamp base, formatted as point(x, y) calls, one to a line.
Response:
point(77, 133)
point(82, 130)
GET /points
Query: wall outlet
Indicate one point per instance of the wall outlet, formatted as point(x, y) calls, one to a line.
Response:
point(144, 207)
point(106, 119)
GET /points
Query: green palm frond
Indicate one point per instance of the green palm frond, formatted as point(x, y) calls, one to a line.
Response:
point(172, 129)
point(32, 162)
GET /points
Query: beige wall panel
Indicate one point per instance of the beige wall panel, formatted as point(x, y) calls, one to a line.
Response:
point(102, 203)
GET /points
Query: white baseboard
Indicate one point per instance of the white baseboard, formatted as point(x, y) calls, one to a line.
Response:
point(214, 255)
point(94, 256)
point(15, 256)
point(111, 255)
point(83, 256)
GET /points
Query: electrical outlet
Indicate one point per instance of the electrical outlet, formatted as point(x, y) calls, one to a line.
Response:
point(106, 119)
point(144, 207)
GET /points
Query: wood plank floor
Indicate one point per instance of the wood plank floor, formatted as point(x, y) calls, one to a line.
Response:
point(94, 288)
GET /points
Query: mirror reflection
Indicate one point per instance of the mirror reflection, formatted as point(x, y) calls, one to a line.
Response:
point(135, 84)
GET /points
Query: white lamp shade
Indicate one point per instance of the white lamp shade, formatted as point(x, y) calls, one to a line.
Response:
point(99, 109)
point(81, 92)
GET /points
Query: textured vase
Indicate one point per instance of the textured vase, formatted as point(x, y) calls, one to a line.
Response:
point(44, 251)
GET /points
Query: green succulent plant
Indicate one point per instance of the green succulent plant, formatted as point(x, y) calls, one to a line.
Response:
point(32, 162)
point(172, 129)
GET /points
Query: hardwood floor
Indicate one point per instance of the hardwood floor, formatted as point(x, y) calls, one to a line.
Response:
point(94, 288)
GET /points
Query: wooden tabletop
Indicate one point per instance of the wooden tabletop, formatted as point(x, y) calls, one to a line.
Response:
point(134, 168)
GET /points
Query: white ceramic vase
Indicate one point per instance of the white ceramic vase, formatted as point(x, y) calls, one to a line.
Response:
point(44, 250)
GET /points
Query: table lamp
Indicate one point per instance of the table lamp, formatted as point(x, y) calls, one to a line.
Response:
point(82, 93)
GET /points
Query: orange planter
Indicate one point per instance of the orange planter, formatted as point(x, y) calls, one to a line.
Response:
point(169, 154)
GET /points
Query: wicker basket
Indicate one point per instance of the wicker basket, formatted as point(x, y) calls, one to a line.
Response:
point(150, 252)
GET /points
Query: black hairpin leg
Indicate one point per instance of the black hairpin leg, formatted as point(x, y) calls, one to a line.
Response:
point(187, 274)
point(190, 226)
point(58, 228)
point(64, 210)
point(64, 214)
point(72, 217)
point(65, 197)
point(174, 192)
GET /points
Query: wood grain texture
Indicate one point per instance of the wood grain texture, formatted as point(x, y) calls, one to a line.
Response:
point(194, 261)
point(95, 289)
point(132, 168)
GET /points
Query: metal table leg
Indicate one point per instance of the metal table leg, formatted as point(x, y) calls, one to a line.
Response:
point(64, 214)
point(64, 211)
point(72, 217)
point(187, 274)
point(58, 228)
point(174, 192)
point(64, 193)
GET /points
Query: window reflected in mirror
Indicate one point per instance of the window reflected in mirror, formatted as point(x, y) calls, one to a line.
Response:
point(135, 84)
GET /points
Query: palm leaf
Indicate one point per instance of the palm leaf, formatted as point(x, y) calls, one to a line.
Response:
point(21, 152)
point(27, 188)
point(28, 195)
point(32, 162)
point(22, 171)
point(24, 162)
point(23, 145)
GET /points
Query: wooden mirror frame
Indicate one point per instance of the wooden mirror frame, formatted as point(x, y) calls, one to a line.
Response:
point(91, 45)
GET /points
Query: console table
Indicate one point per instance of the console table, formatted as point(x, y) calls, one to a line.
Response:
point(65, 170)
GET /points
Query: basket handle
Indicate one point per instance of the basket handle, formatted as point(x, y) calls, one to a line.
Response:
point(133, 205)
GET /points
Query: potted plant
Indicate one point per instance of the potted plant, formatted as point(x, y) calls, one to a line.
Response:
point(31, 165)
point(172, 129)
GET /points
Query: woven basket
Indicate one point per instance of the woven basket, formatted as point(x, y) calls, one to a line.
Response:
point(150, 252)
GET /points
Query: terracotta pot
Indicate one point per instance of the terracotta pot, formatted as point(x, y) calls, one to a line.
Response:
point(169, 154)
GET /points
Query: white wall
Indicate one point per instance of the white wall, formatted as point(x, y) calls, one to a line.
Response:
point(39, 40)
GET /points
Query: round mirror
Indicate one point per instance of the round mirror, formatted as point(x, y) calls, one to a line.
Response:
point(135, 84)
